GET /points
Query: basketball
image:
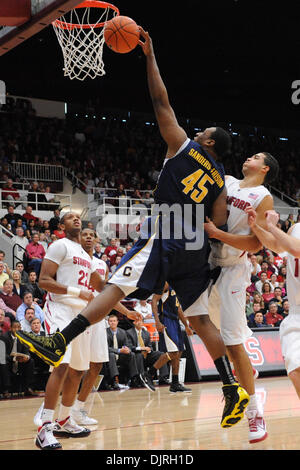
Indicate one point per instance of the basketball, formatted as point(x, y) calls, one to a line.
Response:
point(121, 34)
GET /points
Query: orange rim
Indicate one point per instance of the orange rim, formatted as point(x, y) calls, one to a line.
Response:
point(87, 4)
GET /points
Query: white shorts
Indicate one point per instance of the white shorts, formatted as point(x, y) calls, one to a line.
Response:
point(227, 303)
point(199, 307)
point(289, 332)
point(98, 343)
point(58, 316)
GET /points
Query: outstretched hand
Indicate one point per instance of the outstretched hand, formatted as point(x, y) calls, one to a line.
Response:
point(146, 45)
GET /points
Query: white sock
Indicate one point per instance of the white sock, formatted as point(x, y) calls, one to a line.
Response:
point(78, 405)
point(64, 412)
point(252, 404)
point(47, 416)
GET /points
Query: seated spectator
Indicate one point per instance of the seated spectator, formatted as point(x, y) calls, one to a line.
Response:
point(33, 287)
point(140, 344)
point(255, 267)
point(7, 269)
point(59, 232)
point(104, 258)
point(22, 365)
point(111, 251)
point(10, 193)
point(24, 275)
point(3, 275)
point(249, 304)
point(28, 302)
point(265, 268)
point(272, 316)
point(97, 251)
point(267, 294)
point(263, 279)
point(117, 262)
point(35, 252)
point(9, 297)
point(28, 215)
point(18, 287)
point(55, 220)
point(34, 196)
point(277, 298)
point(22, 241)
point(20, 223)
point(282, 274)
point(5, 225)
point(12, 217)
point(285, 308)
point(256, 308)
point(258, 320)
point(26, 322)
point(5, 322)
point(273, 281)
point(119, 353)
point(43, 241)
point(144, 308)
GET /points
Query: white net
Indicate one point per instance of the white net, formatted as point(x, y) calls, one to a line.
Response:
point(80, 35)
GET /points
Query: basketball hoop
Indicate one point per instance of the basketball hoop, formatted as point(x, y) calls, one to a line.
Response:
point(80, 35)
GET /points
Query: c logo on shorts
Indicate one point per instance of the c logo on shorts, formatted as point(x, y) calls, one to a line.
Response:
point(127, 271)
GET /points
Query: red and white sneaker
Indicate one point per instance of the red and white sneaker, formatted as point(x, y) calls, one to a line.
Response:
point(45, 439)
point(255, 373)
point(257, 427)
point(68, 428)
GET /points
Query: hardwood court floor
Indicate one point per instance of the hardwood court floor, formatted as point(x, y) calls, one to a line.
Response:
point(141, 420)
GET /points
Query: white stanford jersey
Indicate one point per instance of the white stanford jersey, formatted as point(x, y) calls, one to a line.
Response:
point(238, 199)
point(293, 273)
point(74, 269)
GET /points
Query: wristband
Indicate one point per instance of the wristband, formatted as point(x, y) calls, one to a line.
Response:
point(74, 291)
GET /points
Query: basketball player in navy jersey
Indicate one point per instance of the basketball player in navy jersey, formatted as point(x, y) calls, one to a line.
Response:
point(167, 313)
point(192, 175)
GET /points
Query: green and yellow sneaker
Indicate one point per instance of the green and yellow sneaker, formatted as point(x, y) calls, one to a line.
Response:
point(51, 349)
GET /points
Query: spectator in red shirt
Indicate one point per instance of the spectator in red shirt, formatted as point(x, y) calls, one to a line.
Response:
point(35, 253)
point(4, 322)
point(272, 316)
point(28, 215)
point(111, 251)
point(59, 232)
point(9, 193)
point(10, 298)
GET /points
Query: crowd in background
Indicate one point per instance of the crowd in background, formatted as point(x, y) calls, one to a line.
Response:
point(117, 155)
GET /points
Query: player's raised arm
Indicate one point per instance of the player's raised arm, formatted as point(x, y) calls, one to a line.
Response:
point(171, 132)
point(273, 237)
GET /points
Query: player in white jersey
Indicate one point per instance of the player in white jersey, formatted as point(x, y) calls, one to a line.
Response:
point(66, 273)
point(98, 338)
point(91, 350)
point(227, 299)
point(278, 241)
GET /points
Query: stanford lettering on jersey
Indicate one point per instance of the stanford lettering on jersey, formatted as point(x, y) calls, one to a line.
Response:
point(81, 262)
point(239, 203)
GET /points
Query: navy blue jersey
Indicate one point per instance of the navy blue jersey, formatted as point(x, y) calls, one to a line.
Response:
point(168, 307)
point(192, 176)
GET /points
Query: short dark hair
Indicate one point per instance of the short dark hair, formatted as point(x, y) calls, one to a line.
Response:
point(222, 142)
point(29, 308)
point(273, 165)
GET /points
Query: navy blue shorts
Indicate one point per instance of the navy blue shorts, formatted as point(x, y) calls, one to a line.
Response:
point(152, 261)
point(172, 337)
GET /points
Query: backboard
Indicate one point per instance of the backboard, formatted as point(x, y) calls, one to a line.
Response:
point(21, 26)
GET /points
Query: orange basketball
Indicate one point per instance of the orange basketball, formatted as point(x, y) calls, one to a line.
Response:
point(121, 34)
